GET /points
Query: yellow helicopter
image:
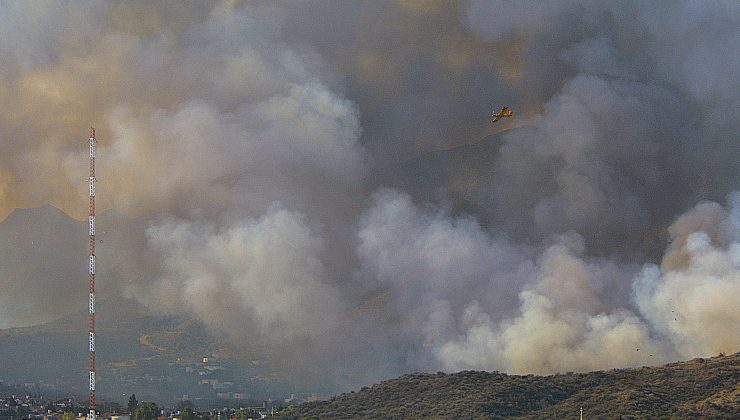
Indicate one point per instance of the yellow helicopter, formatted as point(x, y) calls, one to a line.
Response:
point(504, 113)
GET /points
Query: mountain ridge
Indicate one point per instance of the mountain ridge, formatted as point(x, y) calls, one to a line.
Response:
point(699, 388)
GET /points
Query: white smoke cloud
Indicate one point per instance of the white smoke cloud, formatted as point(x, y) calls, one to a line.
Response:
point(223, 118)
point(260, 161)
point(453, 286)
point(427, 254)
point(262, 278)
point(456, 288)
point(695, 304)
point(253, 116)
point(290, 142)
point(562, 325)
point(239, 149)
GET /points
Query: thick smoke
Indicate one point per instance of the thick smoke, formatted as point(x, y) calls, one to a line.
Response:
point(253, 140)
point(202, 112)
point(691, 299)
point(449, 283)
point(265, 277)
point(637, 128)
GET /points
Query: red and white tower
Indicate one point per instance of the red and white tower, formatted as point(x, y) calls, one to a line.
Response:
point(91, 302)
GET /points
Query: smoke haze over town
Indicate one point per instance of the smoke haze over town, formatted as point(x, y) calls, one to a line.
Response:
point(295, 177)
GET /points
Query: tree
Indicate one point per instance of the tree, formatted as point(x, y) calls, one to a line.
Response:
point(110, 407)
point(132, 403)
point(247, 413)
point(182, 405)
point(22, 412)
point(145, 411)
point(188, 414)
point(68, 415)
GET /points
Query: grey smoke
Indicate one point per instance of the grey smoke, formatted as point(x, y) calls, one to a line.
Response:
point(637, 127)
point(262, 277)
point(254, 141)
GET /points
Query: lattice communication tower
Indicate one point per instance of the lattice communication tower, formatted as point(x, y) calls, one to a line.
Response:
point(91, 302)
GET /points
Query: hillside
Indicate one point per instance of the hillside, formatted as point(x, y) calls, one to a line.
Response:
point(451, 174)
point(157, 357)
point(700, 388)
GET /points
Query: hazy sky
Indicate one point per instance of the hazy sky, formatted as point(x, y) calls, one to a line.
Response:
point(252, 142)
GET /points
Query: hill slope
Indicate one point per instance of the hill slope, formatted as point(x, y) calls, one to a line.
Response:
point(700, 388)
point(43, 297)
point(449, 174)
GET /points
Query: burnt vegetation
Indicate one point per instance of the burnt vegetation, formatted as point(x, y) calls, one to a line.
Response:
point(700, 388)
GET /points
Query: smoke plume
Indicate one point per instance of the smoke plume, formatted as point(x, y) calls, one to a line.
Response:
point(253, 142)
point(265, 276)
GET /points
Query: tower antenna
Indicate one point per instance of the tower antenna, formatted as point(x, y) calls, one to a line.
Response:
point(91, 303)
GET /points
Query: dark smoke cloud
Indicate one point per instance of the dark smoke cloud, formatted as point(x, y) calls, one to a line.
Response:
point(252, 139)
point(421, 79)
point(638, 128)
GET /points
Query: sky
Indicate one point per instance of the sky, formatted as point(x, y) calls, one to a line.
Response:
point(253, 143)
